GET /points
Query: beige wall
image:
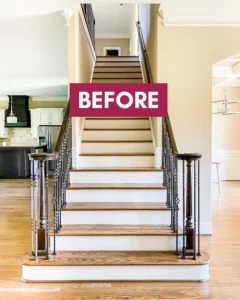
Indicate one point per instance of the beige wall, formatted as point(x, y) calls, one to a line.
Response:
point(226, 129)
point(47, 104)
point(3, 104)
point(124, 44)
point(81, 61)
point(185, 61)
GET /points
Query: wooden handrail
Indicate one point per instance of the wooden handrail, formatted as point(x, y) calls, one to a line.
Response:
point(149, 79)
point(144, 53)
point(171, 135)
point(63, 129)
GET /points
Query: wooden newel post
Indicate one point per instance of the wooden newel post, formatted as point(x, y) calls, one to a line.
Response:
point(42, 230)
point(189, 206)
point(42, 204)
point(190, 203)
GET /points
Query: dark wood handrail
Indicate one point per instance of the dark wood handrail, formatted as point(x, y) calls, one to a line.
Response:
point(63, 129)
point(149, 79)
point(171, 135)
point(144, 53)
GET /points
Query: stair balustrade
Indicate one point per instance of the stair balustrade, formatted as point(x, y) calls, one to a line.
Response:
point(39, 190)
point(190, 204)
point(90, 20)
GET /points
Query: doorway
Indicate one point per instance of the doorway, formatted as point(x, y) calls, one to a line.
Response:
point(112, 51)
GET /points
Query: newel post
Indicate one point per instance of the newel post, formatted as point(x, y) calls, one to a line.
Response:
point(39, 202)
point(191, 204)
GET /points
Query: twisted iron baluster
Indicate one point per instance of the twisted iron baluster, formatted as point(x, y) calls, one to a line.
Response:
point(199, 252)
point(32, 204)
point(184, 227)
point(46, 213)
point(195, 211)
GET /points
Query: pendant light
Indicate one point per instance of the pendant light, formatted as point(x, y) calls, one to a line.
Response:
point(11, 118)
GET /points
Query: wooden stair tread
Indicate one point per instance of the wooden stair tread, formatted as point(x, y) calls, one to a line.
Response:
point(119, 56)
point(79, 206)
point(115, 230)
point(117, 141)
point(129, 169)
point(116, 129)
point(117, 118)
point(117, 186)
point(118, 154)
point(115, 258)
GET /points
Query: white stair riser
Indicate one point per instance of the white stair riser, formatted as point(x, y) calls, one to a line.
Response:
point(116, 217)
point(119, 58)
point(111, 273)
point(116, 177)
point(116, 147)
point(115, 123)
point(117, 135)
point(115, 161)
point(116, 196)
point(115, 243)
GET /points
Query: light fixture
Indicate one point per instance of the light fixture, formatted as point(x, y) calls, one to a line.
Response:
point(226, 110)
point(11, 118)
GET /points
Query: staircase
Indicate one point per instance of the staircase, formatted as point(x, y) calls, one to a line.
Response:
point(115, 218)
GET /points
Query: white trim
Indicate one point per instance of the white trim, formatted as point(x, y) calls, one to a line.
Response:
point(152, 133)
point(158, 157)
point(112, 36)
point(86, 30)
point(111, 48)
point(206, 228)
point(92, 73)
point(49, 98)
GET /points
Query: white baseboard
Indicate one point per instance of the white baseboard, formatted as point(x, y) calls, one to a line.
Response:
point(229, 167)
point(158, 157)
point(206, 227)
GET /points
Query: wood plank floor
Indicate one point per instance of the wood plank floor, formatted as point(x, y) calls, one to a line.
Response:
point(224, 246)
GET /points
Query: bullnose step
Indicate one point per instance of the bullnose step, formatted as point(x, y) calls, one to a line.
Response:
point(117, 265)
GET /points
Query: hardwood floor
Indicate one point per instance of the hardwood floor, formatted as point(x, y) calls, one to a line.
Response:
point(224, 246)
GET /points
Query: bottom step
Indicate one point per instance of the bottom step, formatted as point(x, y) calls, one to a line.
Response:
point(124, 266)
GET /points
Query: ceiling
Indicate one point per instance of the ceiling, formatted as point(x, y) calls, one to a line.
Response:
point(113, 20)
point(176, 13)
point(34, 55)
point(226, 73)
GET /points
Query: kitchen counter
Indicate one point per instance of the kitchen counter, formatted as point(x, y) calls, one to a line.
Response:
point(14, 161)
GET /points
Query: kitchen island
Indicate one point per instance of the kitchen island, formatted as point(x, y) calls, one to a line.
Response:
point(14, 161)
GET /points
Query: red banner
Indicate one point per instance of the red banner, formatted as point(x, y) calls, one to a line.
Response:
point(118, 99)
